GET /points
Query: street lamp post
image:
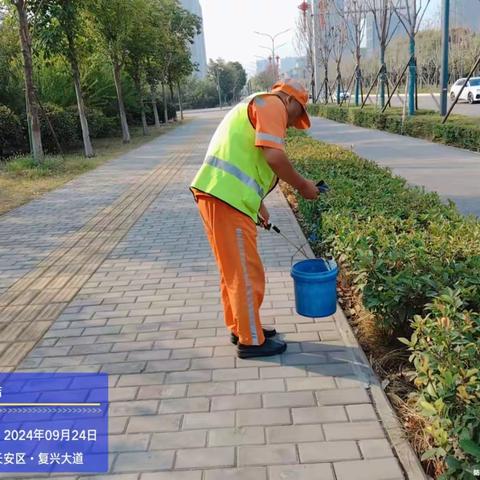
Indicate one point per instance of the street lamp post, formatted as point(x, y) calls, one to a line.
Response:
point(445, 43)
point(316, 53)
point(305, 7)
point(272, 39)
point(218, 87)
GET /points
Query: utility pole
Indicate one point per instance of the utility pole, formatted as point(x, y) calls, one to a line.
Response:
point(445, 45)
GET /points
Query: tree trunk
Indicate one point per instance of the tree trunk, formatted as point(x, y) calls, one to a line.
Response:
point(144, 117)
point(87, 144)
point(117, 75)
point(154, 107)
point(138, 86)
point(33, 121)
point(172, 98)
point(412, 77)
point(358, 76)
point(326, 83)
point(180, 106)
point(339, 84)
point(382, 75)
point(165, 107)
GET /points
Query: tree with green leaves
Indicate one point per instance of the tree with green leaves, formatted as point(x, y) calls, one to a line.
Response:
point(239, 79)
point(11, 69)
point(113, 20)
point(154, 59)
point(31, 97)
point(175, 58)
point(58, 25)
point(141, 48)
point(229, 76)
point(170, 59)
point(200, 93)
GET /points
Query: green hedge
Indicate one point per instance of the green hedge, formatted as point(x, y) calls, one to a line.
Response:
point(99, 125)
point(12, 135)
point(458, 131)
point(66, 125)
point(445, 350)
point(407, 255)
point(171, 111)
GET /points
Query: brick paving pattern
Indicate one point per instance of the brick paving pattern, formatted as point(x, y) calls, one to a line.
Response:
point(129, 287)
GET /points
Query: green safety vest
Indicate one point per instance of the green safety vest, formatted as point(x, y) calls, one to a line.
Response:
point(235, 170)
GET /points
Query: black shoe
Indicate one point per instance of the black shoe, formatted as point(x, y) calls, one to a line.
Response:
point(266, 333)
point(268, 349)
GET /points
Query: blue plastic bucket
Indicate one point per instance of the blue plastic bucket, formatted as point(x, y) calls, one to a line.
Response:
point(315, 287)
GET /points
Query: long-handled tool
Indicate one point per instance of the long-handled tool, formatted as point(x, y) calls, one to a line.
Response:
point(322, 188)
point(300, 249)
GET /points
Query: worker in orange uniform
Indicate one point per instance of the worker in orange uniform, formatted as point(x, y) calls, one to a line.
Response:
point(245, 158)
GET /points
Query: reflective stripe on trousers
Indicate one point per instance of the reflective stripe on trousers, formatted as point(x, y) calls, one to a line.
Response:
point(233, 238)
point(248, 285)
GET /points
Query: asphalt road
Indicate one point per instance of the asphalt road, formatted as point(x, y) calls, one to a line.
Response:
point(426, 102)
point(451, 172)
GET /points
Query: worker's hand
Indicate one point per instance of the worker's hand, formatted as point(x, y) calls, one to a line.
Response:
point(309, 190)
point(263, 215)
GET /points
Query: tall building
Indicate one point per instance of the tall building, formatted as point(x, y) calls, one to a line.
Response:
point(465, 14)
point(262, 65)
point(199, 55)
point(295, 67)
point(288, 67)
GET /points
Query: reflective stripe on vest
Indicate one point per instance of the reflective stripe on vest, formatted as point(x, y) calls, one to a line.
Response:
point(235, 170)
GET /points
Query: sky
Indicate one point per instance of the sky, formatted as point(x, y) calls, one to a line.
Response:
point(229, 27)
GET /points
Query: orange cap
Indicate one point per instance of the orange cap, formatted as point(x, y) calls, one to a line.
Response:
point(295, 89)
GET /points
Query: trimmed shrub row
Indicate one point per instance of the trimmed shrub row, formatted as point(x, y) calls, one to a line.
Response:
point(415, 264)
point(459, 131)
point(12, 135)
point(66, 125)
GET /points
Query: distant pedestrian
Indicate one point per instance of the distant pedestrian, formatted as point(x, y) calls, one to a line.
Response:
point(245, 158)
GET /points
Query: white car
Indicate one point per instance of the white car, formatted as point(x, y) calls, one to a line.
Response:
point(471, 92)
point(343, 96)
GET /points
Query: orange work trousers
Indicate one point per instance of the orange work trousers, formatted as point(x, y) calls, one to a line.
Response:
point(233, 238)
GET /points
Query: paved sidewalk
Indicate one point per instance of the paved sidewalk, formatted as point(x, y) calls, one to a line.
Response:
point(128, 286)
point(452, 172)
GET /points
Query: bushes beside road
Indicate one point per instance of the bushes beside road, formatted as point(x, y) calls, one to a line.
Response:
point(412, 265)
point(12, 136)
point(458, 131)
point(65, 123)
